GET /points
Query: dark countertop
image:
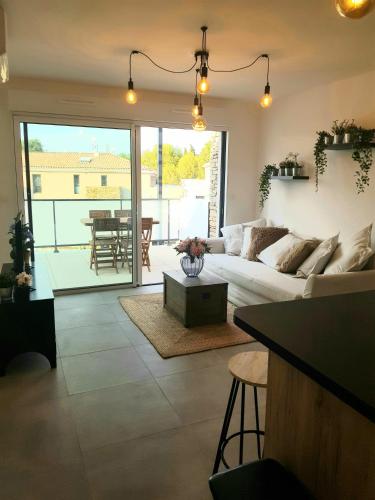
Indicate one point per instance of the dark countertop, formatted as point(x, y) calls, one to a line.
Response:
point(330, 339)
point(41, 283)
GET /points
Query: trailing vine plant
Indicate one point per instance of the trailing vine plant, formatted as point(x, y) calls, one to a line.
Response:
point(320, 156)
point(361, 140)
point(362, 154)
point(265, 183)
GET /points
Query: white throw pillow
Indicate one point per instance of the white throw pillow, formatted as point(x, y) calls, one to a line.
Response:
point(274, 255)
point(352, 254)
point(247, 234)
point(317, 261)
point(232, 239)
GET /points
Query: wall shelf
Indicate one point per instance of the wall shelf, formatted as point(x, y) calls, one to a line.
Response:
point(342, 146)
point(290, 177)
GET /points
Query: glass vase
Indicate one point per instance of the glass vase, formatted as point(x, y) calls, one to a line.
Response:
point(192, 266)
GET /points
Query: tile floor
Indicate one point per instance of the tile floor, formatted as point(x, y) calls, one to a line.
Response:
point(114, 421)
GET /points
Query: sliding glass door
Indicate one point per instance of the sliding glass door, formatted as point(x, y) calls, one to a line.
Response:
point(182, 191)
point(73, 174)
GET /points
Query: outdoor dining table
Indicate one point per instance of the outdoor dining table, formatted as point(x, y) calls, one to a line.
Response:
point(88, 221)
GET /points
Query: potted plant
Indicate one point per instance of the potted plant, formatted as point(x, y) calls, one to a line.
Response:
point(21, 241)
point(265, 182)
point(338, 130)
point(362, 154)
point(6, 285)
point(291, 165)
point(350, 130)
point(23, 287)
point(320, 156)
point(194, 248)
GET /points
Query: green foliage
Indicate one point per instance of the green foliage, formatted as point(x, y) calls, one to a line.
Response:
point(6, 280)
point(178, 165)
point(265, 183)
point(35, 145)
point(125, 155)
point(320, 156)
point(362, 154)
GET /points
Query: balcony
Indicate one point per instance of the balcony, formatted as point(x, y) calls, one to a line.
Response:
point(62, 241)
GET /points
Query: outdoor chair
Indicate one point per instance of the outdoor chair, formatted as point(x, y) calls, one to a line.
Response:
point(147, 223)
point(123, 213)
point(126, 237)
point(104, 243)
point(100, 214)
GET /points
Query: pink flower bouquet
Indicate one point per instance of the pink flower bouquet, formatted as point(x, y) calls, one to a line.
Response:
point(193, 247)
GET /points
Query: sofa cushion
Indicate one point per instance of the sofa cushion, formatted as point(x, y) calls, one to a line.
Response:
point(263, 237)
point(287, 253)
point(352, 254)
point(232, 239)
point(247, 234)
point(255, 277)
point(317, 261)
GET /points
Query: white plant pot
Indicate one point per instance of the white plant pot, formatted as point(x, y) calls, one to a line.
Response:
point(347, 138)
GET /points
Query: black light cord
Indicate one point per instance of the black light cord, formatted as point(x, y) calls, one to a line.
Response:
point(242, 67)
point(158, 65)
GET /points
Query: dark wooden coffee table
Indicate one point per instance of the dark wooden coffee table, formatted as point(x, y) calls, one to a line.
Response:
point(195, 301)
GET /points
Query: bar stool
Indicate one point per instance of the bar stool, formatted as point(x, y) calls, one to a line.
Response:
point(247, 368)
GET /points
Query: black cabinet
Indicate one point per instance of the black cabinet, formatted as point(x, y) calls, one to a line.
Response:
point(29, 326)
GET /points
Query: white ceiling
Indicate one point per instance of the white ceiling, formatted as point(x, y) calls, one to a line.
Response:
point(89, 41)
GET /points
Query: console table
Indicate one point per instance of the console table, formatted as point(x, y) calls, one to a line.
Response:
point(320, 411)
point(29, 326)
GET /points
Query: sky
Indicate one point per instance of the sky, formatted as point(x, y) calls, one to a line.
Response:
point(63, 138)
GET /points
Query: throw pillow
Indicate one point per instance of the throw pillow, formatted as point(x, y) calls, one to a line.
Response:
point(297, 255)
point(247, 234)
point(287, 253)
point(317, 261)
point(232, 239)
point(263, 237)
point(352, 254)
point(273, 255)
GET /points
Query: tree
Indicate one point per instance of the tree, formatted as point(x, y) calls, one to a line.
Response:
point(35, 145)
point(204, 155)
point(125, 155)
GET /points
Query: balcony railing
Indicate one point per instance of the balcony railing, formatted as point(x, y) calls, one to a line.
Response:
point(57, 222)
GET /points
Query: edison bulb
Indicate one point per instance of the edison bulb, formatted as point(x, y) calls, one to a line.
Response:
point(266, 101)
point(131, 96)
point(354, 9)
point(195, 110)
point(199, 124)
point(203, 85)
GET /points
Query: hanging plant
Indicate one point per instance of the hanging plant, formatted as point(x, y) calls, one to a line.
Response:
point(362, 154)
point(320, 156)
point(265, 183)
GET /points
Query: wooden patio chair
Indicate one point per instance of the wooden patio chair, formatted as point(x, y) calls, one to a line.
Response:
point(104, 243)
point(100, 214)
point(126, 238)
point(147, 223)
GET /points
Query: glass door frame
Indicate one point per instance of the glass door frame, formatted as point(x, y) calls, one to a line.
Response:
point(42, 119)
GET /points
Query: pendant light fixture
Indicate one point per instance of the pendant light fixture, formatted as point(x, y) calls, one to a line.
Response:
point(202, 87)
point(195, 108)
point(4, 67)
point(354, 9)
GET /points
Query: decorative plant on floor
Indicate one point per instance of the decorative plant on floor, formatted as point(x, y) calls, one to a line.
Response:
point(265, 183)
point(361, 142)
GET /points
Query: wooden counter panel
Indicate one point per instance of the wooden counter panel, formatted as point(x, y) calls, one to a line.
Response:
point(329, 446)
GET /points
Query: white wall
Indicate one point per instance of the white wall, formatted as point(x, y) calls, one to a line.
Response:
point(290, 125)
point(154, 108)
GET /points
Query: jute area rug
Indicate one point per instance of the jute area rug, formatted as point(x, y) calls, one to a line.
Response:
point(170, 337)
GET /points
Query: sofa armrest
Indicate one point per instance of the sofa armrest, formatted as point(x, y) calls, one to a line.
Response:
point(319, 285)
point(216, 245)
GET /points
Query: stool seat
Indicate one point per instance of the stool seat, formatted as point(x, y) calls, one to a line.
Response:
point(262, 480)
point(250, 368)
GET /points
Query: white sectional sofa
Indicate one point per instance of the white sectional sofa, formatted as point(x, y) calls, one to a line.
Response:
point(255, 283)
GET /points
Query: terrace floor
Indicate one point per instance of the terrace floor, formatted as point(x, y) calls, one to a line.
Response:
point(70, 268)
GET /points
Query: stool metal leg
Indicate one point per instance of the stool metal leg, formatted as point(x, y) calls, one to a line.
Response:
point(242, 421)
point(257, 421)
point(227, 418)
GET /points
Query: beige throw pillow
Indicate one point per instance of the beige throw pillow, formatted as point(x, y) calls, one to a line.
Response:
point(246, 226)
point(232, 239)
point(352, 254)
point(263, 237)
point(297, 254)
point(275, 254)
point(317, 261)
